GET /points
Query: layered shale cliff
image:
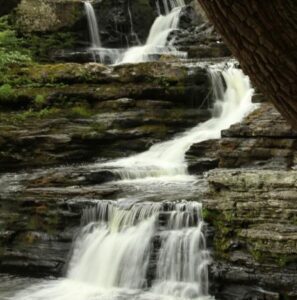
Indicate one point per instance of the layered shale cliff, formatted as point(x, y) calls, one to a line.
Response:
point(251, 205)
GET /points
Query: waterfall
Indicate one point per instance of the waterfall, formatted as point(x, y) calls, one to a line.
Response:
point(93, 25)
point(121, 249)
point(100, 54)
point(168, 158)
point(132, 31)
point(168, 5)
point(157, 42)
point(139, 250)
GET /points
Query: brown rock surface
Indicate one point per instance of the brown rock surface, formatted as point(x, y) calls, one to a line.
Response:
point(252, 207)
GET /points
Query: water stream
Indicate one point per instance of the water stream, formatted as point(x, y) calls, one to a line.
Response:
point(93, 25)
point(146, 246)
point(168, 158)
point(158, 41)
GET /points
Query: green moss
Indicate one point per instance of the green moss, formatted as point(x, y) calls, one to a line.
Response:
point(80, 111)
point(257, 255)
point(39, 100)
point(30, 114)
point(6, 93)
point(99, 127)
point(42, 47)
point(209, 215)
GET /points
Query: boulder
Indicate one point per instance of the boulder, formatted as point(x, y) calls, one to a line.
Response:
point(43, 16)
point(263, 140)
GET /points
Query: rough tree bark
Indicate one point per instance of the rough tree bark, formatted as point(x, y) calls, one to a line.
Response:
point(262, 34)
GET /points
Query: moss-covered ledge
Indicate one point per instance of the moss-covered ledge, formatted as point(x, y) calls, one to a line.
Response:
point(254, 214)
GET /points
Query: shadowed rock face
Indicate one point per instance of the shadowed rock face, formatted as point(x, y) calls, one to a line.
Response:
point(7, 6)
point(252, 207)
point(262, 36)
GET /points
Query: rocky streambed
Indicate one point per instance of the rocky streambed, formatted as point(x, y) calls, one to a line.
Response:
point(60, 122)
point(248, 198)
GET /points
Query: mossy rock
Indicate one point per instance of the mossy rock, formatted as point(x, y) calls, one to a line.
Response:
point(45, 16)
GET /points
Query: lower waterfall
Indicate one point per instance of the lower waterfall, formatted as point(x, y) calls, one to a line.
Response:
point(131, 248)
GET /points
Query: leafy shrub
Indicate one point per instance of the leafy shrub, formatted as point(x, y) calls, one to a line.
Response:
point(12, 48)
point(13, 57)
point(4, 23)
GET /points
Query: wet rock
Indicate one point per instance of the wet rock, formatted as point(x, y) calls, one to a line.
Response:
point(47, 15)
point(262, 140)
point(256, 210)
point(252, 209)
point(39, 220)
point(202, 156)
point(76, 113)
point(101, 177)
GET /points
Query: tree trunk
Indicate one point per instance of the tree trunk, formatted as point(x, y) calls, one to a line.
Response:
point(263, 37)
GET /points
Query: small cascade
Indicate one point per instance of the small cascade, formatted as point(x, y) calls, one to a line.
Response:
point(231, 104)
point(157, 42)
point(149, 249)
point(93, 25)
point(133, 34)
point(100, 54)
point(168, 5)
point(181, 267)
point(113, 247)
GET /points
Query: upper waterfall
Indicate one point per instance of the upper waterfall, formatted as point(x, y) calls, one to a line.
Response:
point(93, 25)
point(157, 42)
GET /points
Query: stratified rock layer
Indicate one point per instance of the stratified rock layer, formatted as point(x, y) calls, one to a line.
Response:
point(67, 113)
point(253, 209)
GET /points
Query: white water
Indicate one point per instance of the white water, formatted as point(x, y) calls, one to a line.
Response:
point(168, 5)
point(149, 251)
point(115, 255)
point(93, 25)
point(168, 158)
point(100, 54)
point(157, 42)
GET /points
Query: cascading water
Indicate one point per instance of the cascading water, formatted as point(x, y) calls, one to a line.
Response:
point(157, 42)
point(120, 250)
point(133, 34)
point(168, 158)
point(93, 25)
point(100, 54)
point(149, 250)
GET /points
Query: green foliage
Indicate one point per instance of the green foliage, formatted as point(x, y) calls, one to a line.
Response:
point(6, 93)
point(79, 111)
point(39, 100)
point(12, 48)
point(30, 114)
point(9, 40)
point(13, 57)
point(4, 23)
point(43, 46)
